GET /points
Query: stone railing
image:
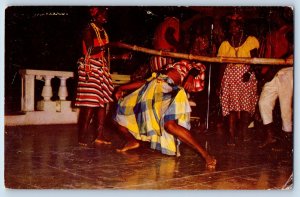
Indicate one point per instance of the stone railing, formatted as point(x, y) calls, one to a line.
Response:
point(29, 76)
point(47, 111)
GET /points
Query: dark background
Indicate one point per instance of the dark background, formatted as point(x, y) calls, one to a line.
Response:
point(49, 37)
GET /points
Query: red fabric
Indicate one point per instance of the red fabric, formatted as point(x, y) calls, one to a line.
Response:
point(157, 62)
point(96, 44)
point(159, 40)
point(184, 66)
point(276, 44)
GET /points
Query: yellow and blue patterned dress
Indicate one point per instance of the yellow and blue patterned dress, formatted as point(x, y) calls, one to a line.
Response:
point(145, 111)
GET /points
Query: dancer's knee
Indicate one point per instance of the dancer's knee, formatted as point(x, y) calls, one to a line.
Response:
point(170, 125)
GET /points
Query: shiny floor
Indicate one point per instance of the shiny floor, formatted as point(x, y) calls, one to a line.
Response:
point(47, 157)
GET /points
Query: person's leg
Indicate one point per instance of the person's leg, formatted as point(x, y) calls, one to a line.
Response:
point(287, 143)
point(101, 114)
point(244, 119)
point(270, 139)
point(184, 135)
point(131, 142)
point(285, 93)
point(266, 105)
point(85, 116)
point(232, 119)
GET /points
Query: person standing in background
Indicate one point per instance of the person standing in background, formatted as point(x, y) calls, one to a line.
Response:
point(166, 38)
point(277, 81)
point(95, 87)
point(238, 94)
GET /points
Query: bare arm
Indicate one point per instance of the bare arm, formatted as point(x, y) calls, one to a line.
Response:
point(127, 87)
point(188, 83)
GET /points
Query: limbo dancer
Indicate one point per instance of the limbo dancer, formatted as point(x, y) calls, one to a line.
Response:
point(158, 110)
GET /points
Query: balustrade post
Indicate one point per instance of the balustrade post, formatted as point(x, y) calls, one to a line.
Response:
point(47, 89)
point(63, 91)
point(27, 97)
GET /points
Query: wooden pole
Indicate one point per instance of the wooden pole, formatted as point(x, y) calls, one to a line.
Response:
point(236, 60)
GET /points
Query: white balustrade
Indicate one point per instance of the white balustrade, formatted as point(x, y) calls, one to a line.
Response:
point(28, 84)
point(48, 111)
point(47, 89)
point(63, 91)
point(27, 95)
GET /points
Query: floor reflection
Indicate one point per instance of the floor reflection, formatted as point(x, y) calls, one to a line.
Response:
point(48, 157)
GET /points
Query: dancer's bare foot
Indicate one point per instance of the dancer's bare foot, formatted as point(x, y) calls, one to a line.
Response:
point(102, 141)
point(129, 146)
point(211, 163)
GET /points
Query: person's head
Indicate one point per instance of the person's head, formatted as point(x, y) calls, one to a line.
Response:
point(99, 14)
point(235, 24)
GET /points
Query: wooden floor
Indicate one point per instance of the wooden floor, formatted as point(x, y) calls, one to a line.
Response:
point(48, 157)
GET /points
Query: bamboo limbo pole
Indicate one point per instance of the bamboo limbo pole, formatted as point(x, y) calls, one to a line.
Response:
point(237, 60)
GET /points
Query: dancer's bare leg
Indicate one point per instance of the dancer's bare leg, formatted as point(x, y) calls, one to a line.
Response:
point(86, 114)
point(101, 114)
point(184, 135)
point(131, 142)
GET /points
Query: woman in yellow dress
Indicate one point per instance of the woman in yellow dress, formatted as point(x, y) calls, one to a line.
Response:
point(238, 94)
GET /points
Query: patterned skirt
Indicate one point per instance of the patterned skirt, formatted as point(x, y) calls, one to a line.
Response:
point(145, 111)
point(237, 95)
point(95, 87)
